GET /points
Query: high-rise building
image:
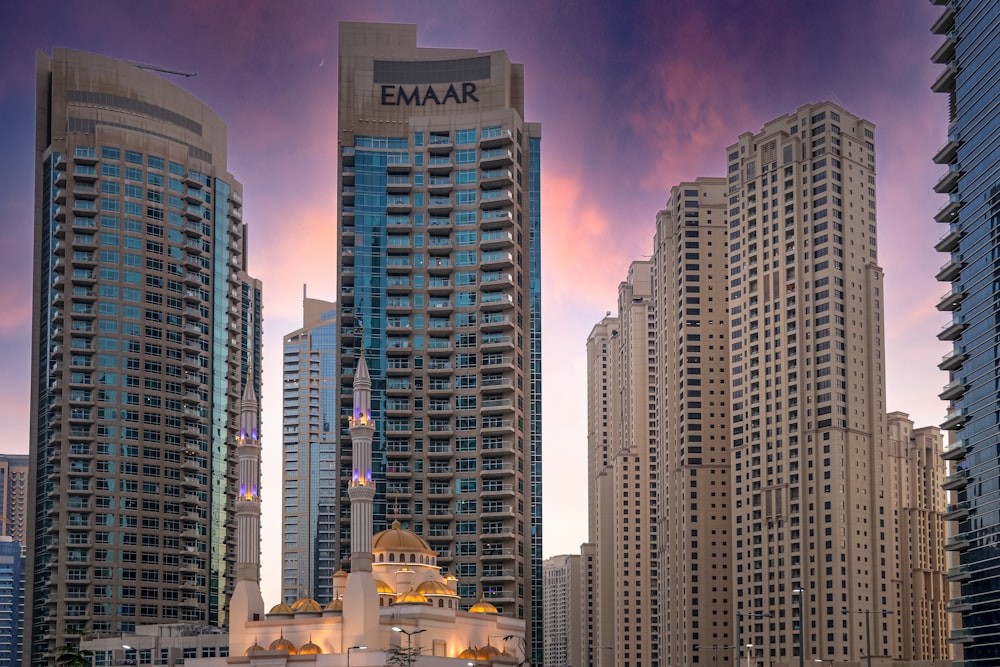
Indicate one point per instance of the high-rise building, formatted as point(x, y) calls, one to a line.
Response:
point(917, 474)
point(11, 601)
point(561, 581)
point(439, 282)
point(309, 509)
point(599, 551)
point(810, 501)
point(971, 156)
point(692, 465)
point(13, 492)
point(146, 326)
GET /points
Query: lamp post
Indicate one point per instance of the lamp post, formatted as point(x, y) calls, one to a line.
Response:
point(353, 648)
point(409, 641)
point(802, 627)
point(868, 627)
point(749, 651)
point(739, 627)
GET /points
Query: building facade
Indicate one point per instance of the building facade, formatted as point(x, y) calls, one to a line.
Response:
point(13, 492)
point(11, 601)
point(310, 522)
point(145, 330)
point(562, 582)
point(439, 282)
point(971, 154)
point(693, 462)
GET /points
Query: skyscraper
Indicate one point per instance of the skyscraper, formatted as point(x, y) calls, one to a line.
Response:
point(810, 494)
point(563, 600)
point(13, 494)
point(11, 601)
point(971, 156)
point(310, 522)
point(692, 464)
point(146, 325)
point(439, 281)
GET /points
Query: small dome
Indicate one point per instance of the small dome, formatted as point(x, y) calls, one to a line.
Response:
point(336, 604)
point(412, 597)
point(435, 588)
point(256, 648)
point(310, 649)
point(471, 653)
point(398, 539)
point(306, 604)
point(281, 608)
point(384, 588)
point(488, 652)
point(483, 607)
point(282, 644)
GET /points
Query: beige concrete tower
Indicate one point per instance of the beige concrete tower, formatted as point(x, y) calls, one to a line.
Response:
point(599, 552)
point(563, 590)
point(810, 475)
point(13, 495)
point(692, 467)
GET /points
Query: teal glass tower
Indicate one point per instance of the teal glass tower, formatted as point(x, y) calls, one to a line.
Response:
point(146, 326)
point(440, 284)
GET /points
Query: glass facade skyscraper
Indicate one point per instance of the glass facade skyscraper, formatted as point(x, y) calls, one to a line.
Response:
point(440, 284)
point(971, 216)
point(146, 329)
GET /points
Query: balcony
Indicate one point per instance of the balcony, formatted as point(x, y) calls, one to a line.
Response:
point(957, 511)
point(950, 300)
point(439, 165)
point(949, 181)
point(944, 53)
point(956, 481)
point(398, 204)
point(953, 390)
point(497, 157)
point(958, 574)
point(439, 205)
point(960, 636)
point(945, 22)
point(439, 185)
point(949, 241)
point(498, 219)
point(493, 199)
point(955, 419)
point(497, 552)
point(496, 259)
point(949, 211)
point(947, 153)
point(495, 240)
point(959, 605)
point(495, 178)
point(440, 144)
point(494, 137)
point(953, 360)
point(396, 184)
point(951, 269)
point(956, 451)
point(945, 82)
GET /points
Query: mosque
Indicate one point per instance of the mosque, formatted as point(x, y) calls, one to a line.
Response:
point(394, 597)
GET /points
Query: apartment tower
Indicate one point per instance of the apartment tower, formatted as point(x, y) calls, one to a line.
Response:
point(971, 158)
point(561, 577)
point(13, 493)
point(599, 551)
point(811, 505)
point(309, 477)
point(145, 328)
point(439, 283)
point(692, 466)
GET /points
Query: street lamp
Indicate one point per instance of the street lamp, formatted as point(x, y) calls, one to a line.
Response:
point(739, 627)
point(802, 627)
point(353, 648)
point(409, 641)
point(749, 651)
point(868, 627)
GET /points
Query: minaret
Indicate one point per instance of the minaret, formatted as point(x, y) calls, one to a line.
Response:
point(361, 614)
point(247, 603)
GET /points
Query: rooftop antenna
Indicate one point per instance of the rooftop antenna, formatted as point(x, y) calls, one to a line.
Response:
point(164, 70)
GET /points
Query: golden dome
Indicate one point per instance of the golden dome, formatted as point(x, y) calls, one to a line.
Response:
point(435, 588)
point(256, 648)
point(281, 608)
point(483, 607)
point(336, 604)
point(282, 644)
point(306, 604)
point(398, 539)
point(413, 597)
point(310, 649)
point(471, 653)
point(384, 588)
point(488, 652)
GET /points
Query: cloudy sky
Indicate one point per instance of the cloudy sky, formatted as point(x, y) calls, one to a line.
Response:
point(633, 97)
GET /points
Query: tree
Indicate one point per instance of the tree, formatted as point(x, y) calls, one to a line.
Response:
point(69, 655)
point(398, 656)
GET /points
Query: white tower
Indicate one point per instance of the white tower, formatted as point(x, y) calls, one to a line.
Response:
point(247, 603)
point(361, 626)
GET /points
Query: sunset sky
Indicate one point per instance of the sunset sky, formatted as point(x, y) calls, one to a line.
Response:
point(633, 98)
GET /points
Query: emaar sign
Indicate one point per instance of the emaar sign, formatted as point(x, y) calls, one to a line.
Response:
point(420, 95)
